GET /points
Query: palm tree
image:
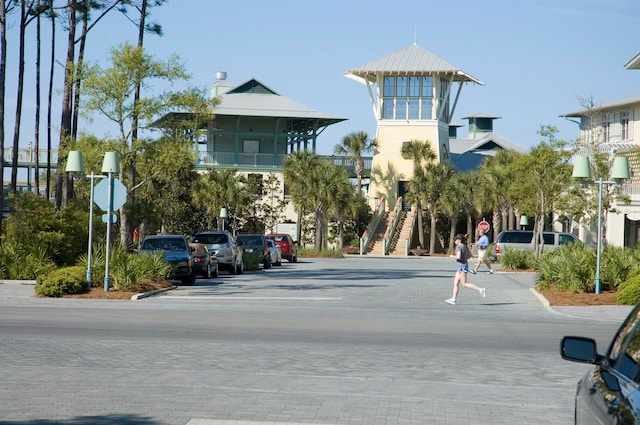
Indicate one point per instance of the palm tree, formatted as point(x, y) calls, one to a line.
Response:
point(495, 179)
point(436, 177)
point(329, 182)
point(419, 152)
point(221, 188)
point(456, 197)
point(298, 169)
point(354, 145)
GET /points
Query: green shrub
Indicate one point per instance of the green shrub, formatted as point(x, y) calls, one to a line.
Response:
point(616, 264)
point(517, 260)
point(251, 261)
point(314, 253)
point(567, 267)
point(629, 290)
point(23, 262)
point(127, 268)
point(35, 223)
point(64, 281)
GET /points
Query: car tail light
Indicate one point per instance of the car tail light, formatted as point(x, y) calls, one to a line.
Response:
point(497, 248)
point(198, 260)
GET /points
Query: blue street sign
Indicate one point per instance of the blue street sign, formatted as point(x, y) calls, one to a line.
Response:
point(101, 195)
point(105, 217)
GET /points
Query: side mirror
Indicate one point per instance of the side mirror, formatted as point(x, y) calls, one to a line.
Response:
point(579, 349)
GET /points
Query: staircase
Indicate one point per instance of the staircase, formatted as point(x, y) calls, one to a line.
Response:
point(397, 245)
point(376, 247)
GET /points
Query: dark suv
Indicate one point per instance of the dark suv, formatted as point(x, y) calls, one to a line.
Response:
point(256, 243)
point(176, 251)
point(225, 247)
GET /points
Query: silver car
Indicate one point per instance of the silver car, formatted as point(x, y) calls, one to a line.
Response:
point(225, 248)
point(275, 251)
point(522, 240)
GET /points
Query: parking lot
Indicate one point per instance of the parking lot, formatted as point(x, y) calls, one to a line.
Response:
point(360, 340)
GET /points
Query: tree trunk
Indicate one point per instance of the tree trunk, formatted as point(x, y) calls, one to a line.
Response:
point(299, 226)
point(50, 103)
point(3, 78)
point(432, 236)
point(18, 118)
point(63, 189)
point(452, 233)
point(78, 77)
point(127, 225)
point(36, 133)
point(420, 226)
point(497, 224)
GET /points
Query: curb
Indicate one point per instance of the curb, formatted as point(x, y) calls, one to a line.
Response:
point(151, 293)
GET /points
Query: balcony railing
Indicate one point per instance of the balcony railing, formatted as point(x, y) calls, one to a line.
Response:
point(26, 158)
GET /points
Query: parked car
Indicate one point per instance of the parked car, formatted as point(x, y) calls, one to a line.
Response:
point(175, 250)
point(287, 245)
point(256, 243)
point(275, 251)
point(609, 392)
point(225, 247)
point(204, 262)
point(523, 240)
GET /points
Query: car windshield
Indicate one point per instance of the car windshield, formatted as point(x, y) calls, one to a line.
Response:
point(213, 239)
point(163, 245)
point(251, 240)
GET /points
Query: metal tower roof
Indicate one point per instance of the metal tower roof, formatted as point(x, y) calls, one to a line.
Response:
point(412, 60)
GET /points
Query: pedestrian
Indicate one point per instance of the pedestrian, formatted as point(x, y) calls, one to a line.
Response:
point(483, 252)
point(462, 256)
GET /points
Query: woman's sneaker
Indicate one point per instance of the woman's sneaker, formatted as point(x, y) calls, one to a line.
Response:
point(483, 292)
point(450, 301)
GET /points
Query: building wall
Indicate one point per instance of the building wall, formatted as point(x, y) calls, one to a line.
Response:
point(388, 165)
point(262, 129)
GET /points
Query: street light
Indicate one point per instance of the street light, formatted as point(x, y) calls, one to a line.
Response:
point(582, 172)
point(75, 165)
point(110, 165)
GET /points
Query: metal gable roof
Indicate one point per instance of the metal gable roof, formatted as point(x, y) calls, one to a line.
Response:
point(410, 60)
point(625, 101)
point(489, 142)
point(254, 99)
point(634, 62)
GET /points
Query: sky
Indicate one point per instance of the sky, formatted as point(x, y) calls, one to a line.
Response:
point(537, 59)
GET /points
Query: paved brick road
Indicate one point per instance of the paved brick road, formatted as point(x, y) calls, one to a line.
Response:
point(362, 340)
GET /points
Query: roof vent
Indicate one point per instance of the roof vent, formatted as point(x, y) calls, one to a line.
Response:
point(221, 75)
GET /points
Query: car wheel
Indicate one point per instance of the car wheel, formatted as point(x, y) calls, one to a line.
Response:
point(191, 280)
point(267, 263)
point(207, 272)
point(278, 263)
point(240, 268)
point(294, 259)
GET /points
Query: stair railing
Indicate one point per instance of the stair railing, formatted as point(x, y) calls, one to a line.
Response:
point(391, 227)
point(371, 228)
